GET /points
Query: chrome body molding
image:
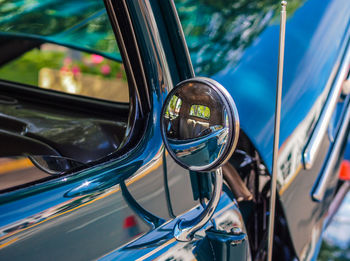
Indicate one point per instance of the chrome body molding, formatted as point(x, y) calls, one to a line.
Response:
point(315, 141)
point(329, 169)
point(337, 202)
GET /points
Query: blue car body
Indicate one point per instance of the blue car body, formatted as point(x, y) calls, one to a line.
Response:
point(125, 206)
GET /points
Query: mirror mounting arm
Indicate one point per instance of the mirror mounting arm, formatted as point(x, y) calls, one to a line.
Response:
point(184, 230)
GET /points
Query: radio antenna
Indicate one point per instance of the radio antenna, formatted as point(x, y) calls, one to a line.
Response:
point(276, 130)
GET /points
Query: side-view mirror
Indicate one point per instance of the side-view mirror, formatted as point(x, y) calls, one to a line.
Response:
point(200, 128)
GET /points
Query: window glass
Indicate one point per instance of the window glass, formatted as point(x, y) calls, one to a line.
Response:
point(200, 111)
point(67, 46)
point(75, 23)
point(174, 107)
point(59, 68)
point(58, 46)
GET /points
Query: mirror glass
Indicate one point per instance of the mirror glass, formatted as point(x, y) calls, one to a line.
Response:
point(199, 124)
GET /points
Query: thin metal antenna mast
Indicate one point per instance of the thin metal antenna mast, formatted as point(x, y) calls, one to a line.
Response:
point(277, 130)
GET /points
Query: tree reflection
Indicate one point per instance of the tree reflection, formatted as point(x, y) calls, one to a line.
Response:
point(174, 107)
point(218, 32)
point(200, 111)
point(83, 24)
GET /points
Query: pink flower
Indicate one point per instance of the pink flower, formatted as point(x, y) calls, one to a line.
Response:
point(76, 70)
point(96, 59)
point(105, 69)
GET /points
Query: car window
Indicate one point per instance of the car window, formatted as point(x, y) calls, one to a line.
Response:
point(200, 111)
point(66, 46)
point(59, 64)
point(79, 24)
point(59, 68)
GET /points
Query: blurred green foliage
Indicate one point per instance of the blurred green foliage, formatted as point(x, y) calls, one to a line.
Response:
point(333, 253)
point(25, 69)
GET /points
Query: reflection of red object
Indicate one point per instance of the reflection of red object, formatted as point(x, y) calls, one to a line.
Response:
point(131, 227)
point(344, 173)
point(129, 222)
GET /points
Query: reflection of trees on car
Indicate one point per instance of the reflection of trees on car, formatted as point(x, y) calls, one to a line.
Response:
point(217, 31)
point(83, 24)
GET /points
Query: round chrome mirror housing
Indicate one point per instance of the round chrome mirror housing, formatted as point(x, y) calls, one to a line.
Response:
point(200, 124)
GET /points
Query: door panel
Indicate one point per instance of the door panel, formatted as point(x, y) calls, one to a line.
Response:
point(53, 225)
point(180, 190)
point(160, 244)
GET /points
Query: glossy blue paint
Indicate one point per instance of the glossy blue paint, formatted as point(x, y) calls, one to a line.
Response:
point(309, 59)
point(310, 55)
point(84, 211)
point(61, 205)
point(159, 243)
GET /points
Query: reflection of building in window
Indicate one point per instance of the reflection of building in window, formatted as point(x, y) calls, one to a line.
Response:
point(174, 107)
point(200, 111)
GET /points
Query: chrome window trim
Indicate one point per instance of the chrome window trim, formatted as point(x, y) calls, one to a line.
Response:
point(183, 38)
point(111, 6)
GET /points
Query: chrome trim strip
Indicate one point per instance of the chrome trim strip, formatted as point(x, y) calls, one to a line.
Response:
point(123, 48)
point(276, 135)
point(328, 170)
point(183, 39)
point(315, 141)
point(336, 202)
point(184, 230)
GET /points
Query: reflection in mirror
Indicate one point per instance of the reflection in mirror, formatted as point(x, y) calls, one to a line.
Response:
point(200, 111)
point(196, 124)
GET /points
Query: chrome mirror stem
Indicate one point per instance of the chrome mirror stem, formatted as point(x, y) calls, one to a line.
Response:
point(185, 229)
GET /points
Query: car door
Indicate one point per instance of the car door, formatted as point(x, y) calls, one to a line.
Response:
point(87, 197)
point(163, 51)
point(77, 149)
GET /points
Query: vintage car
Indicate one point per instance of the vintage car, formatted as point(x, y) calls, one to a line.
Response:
point(144, 130)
